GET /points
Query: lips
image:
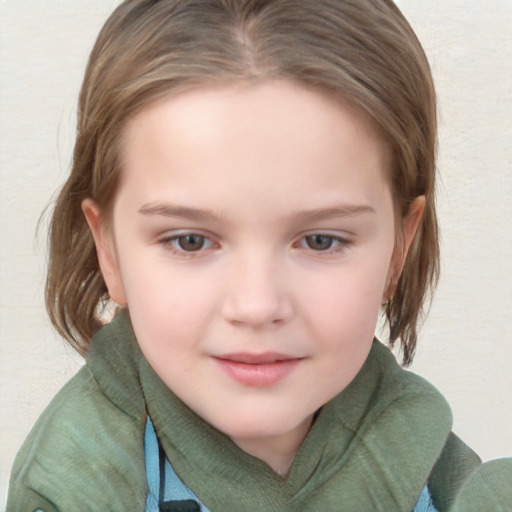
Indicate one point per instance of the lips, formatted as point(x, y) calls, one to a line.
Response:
point(264, 358)
point(257, 370)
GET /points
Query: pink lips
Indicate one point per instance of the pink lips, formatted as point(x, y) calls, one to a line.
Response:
point(257, 370)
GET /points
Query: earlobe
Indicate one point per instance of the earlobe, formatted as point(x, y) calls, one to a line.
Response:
point(410, 225)
point(105, 250)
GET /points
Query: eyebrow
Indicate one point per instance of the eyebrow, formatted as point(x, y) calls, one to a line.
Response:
point(196, 214)
point(335, 211)
point(170, 210)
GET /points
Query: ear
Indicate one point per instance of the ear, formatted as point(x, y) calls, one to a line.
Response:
point(105, 250)
point(409, 227)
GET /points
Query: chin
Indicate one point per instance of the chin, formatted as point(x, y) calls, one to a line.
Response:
point(263, 425)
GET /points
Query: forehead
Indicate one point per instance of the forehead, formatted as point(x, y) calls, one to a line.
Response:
point(275, 141)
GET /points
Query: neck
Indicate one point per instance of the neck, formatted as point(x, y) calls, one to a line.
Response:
point(277, 451)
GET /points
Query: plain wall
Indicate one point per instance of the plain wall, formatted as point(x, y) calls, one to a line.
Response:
point(466, 345)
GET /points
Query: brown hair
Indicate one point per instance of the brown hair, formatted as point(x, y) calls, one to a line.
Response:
point(362, 51)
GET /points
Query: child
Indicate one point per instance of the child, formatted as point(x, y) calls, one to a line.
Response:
point(252, 181)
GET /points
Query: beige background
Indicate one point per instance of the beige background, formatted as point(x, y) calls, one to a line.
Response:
point(466, 350)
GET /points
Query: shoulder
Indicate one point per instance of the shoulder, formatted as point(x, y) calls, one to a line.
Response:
point(458, 481)
point(399, 424)
point(489, 487)
point(82, 446)
point(461, 483)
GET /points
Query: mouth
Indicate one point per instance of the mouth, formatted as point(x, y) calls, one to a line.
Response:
point(256, 359)
point(257, 370)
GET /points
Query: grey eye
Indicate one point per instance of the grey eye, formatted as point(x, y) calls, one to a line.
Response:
point(319, 242)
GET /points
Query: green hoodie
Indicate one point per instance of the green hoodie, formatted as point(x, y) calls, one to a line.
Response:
point(372, 448)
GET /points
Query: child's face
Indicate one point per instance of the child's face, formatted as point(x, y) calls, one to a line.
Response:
point(254, 239)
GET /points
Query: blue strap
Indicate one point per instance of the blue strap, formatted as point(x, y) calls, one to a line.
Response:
point(425, 502)
point(166, 492)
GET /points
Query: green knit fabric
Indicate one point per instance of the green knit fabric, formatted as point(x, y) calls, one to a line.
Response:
point(372, 448)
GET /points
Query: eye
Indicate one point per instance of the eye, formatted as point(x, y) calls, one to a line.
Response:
point(191, 243)
point(321, 242)
point(187, 243)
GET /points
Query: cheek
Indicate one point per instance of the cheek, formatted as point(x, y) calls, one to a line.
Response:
point(167, 303)
point(345, 304)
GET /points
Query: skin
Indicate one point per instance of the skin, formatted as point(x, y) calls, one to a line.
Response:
point(251, 220)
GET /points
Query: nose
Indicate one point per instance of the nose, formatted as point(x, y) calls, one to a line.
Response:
point(256, 294)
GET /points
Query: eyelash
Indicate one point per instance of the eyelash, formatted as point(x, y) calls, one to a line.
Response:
point(171, 243)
